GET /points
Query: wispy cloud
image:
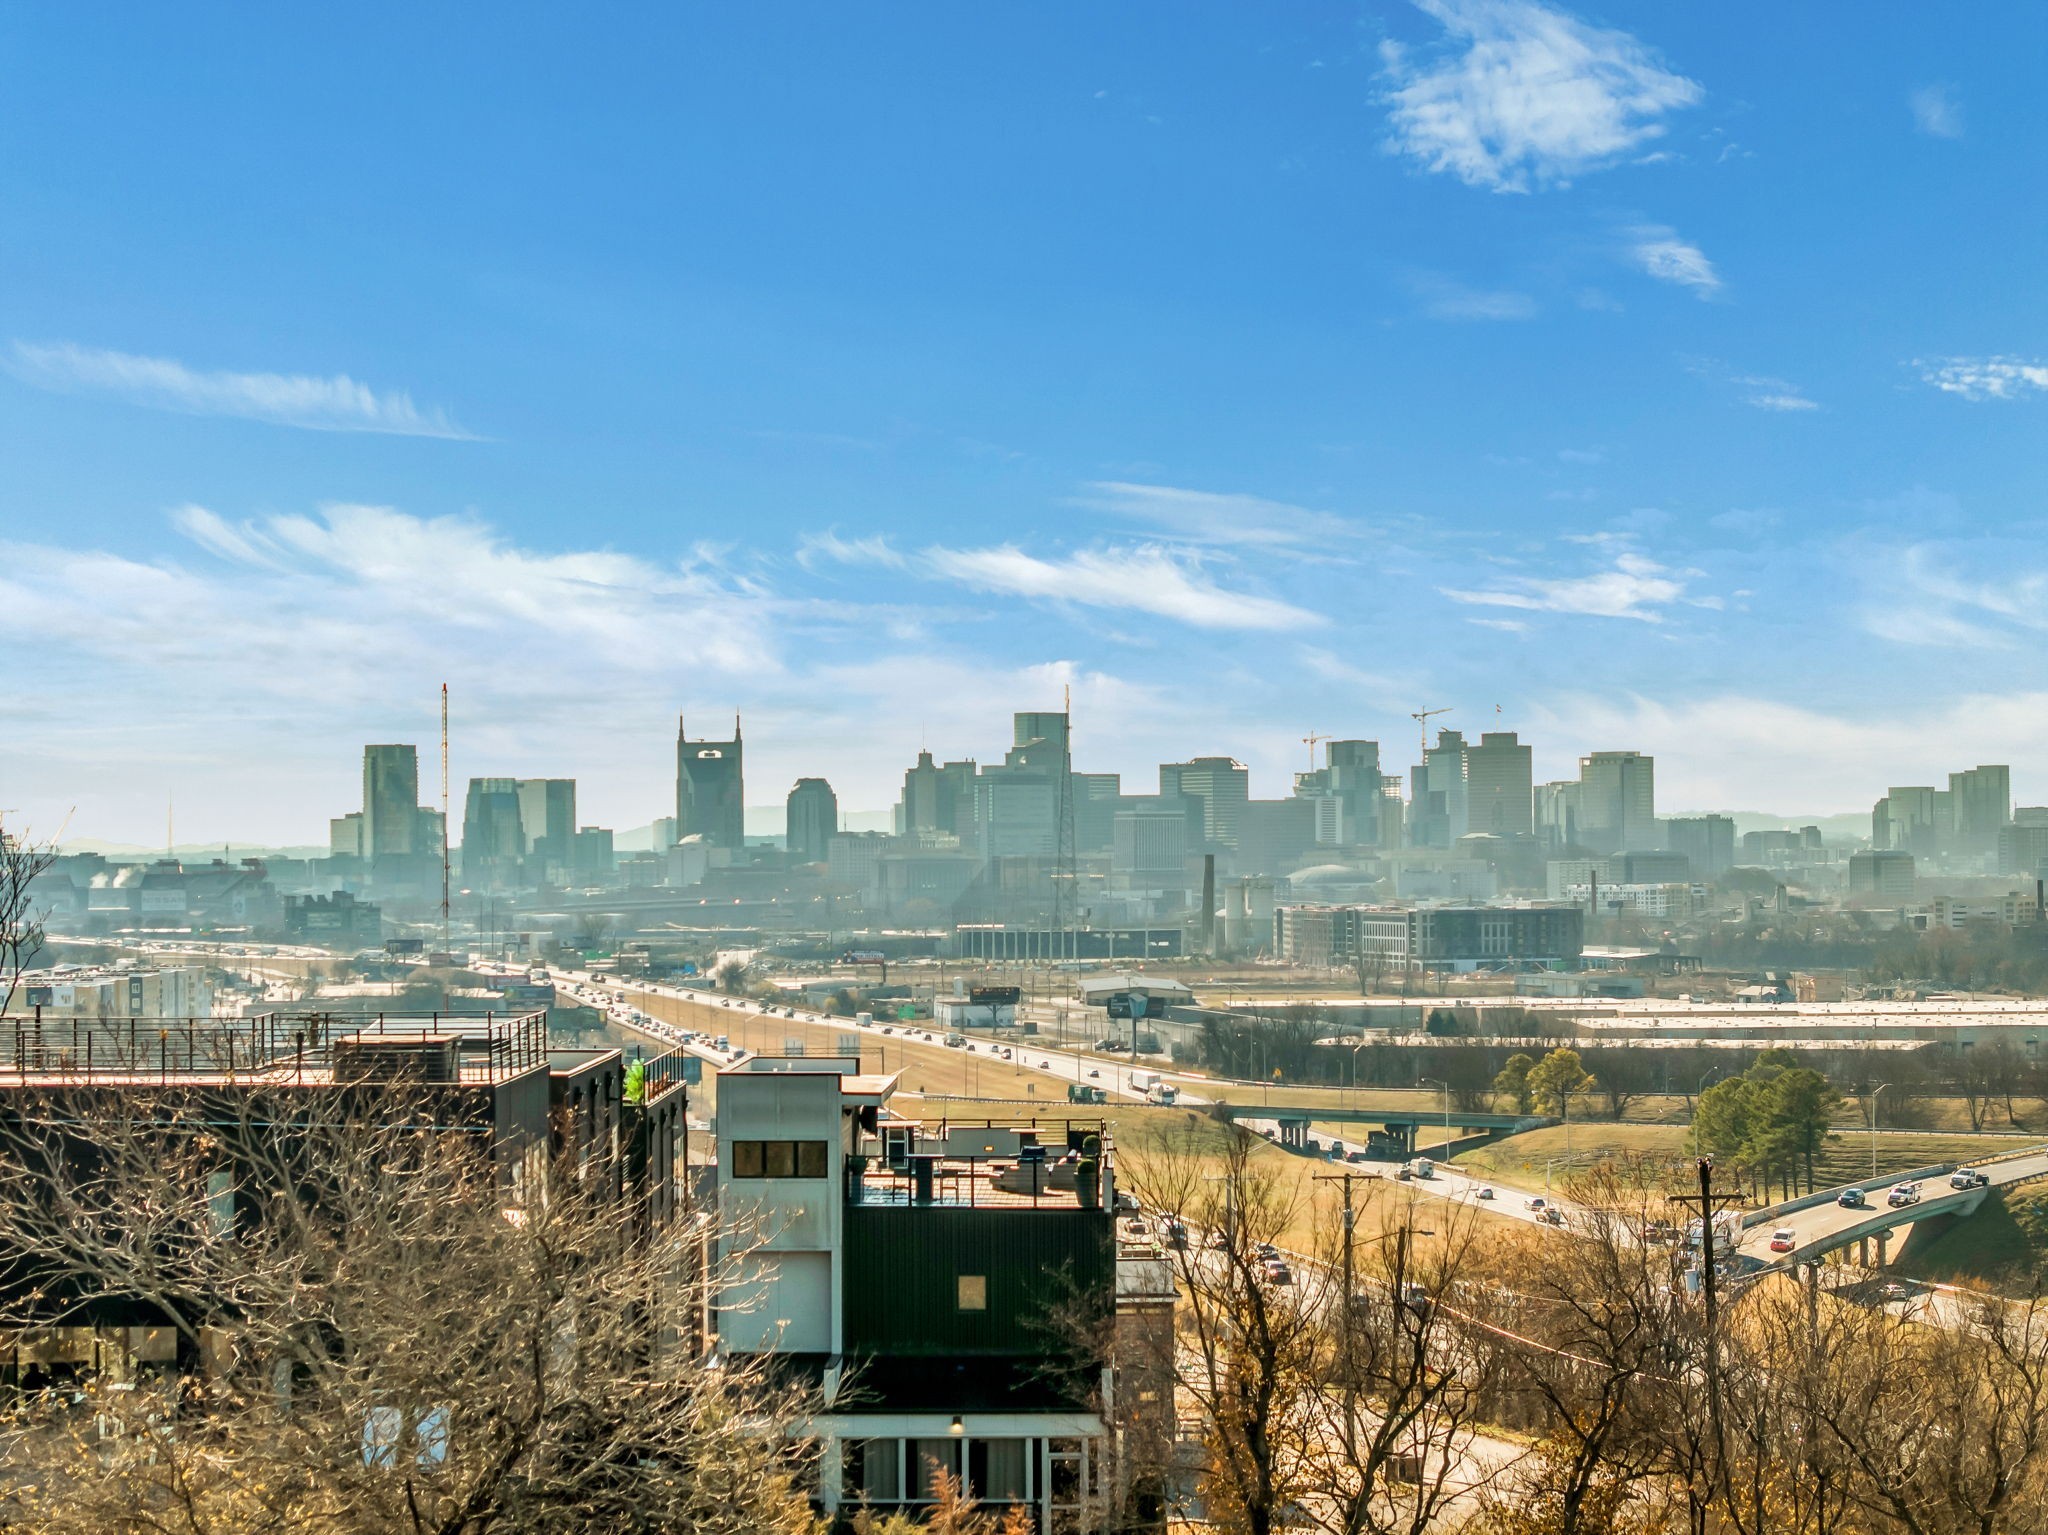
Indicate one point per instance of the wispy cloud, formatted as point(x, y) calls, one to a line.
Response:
point(815, 549)
point(337, 404)
point(1819, 761)
point(1936, 112)
point(1637, 587)
point(1446, 299)
point(1150, 578)
point(1524, 96)
point(1667, 256)
point(1984, 378)
point(1213, 517)
point(1922, 595)
point(1762, 391)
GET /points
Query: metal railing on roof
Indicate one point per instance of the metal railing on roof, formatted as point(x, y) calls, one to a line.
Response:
point(265, 1047)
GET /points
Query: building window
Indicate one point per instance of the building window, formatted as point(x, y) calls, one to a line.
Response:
point(973, 1292)
point(932, 1457)
point(779, 1159)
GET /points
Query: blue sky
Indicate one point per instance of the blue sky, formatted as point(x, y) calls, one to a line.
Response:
point(1669, 378)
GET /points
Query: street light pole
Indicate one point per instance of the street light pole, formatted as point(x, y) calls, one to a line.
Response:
point(1440, 1082)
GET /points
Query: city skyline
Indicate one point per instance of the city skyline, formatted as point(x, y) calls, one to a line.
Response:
point(1254, 378)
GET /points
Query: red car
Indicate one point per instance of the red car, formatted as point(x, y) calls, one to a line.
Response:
point(1784, 1239)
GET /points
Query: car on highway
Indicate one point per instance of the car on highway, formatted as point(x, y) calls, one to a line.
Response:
point(1536, 1202)
point(1276, 1271)
point(1174, 1232)
point(1903, 1194)
point(1784, 1239)
point(1094, 1073)
point(1968, 1178)
point(1851, 1199)
point(1552, 1216)
point(1219, 1240)
point(1484, 1191)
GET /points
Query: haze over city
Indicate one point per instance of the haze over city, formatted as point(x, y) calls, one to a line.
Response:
point(1252, 374)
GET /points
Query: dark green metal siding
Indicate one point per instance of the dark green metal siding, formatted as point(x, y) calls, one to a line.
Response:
point(903, 1266)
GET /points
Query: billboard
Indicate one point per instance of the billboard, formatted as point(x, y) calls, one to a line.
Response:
point(994, 996)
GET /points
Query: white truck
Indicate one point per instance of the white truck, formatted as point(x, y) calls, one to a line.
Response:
point(1144, 1081)
point(1422, 1167)
point(1162, 1093)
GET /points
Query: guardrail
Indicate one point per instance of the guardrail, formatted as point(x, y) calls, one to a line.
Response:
point(1829, 1196)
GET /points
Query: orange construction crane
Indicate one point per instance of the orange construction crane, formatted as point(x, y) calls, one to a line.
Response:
point(1422, 717)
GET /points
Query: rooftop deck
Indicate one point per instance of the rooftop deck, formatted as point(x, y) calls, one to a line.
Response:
point(308, 1049)
point(983, 1164)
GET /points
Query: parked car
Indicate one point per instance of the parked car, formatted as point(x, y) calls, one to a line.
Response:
point(1903, 1194)
point(1852, 1199)
point(1784, 1239)
point(1968, 1178)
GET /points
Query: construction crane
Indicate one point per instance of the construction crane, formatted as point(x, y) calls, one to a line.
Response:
point(1311, 741)
point(1422, 718)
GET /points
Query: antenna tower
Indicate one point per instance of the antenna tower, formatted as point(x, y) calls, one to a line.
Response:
point(444, 817)
point(1064, 910)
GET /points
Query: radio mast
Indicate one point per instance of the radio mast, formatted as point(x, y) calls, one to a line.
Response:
point(444, 818)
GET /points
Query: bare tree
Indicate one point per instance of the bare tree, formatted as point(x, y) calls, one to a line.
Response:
point(1330, 1389)
point(377, 1329)
point(21, 918)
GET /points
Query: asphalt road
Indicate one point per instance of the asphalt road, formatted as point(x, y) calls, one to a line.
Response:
point(1813, 1227)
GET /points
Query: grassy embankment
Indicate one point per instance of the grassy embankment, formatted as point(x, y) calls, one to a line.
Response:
point(1530, 1159)
point(2004, 1246)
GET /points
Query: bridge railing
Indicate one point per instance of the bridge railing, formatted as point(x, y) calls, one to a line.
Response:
point(1829, 1196)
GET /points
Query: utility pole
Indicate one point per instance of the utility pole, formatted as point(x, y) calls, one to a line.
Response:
point(1710, 1200)
point(1349, 1307)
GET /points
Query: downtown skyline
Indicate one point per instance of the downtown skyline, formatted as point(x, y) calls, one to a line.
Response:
point(1277, 376)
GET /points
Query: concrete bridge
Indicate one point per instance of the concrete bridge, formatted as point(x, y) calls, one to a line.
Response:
point(1821, 1224)
point(1396, 1130)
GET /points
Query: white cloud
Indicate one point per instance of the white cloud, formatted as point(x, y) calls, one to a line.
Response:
point(1212, 517)
point(817, 548)
point(1919, 597)
point(1984, 378)
point(1149, 578)
point(1780, 399)
point(1526, 96)
point(1637, 587)
point(1668, 257)
point(1444, 299)
point(1936, 112)
point(1759, 390)
point(1819, 763)
point(337, 404)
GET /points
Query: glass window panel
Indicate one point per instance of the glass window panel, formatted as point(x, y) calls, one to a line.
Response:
point(746, 1159)
point(973, 1292)
point(810, 1159)
point(1000, 1479)
point(880, 1471)
point(934, 1456)
point(781, 1158)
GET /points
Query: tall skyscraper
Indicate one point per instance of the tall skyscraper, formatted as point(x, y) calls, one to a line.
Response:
point(1499, 786)
point(1438, 803)
point(1349, 794)
point(812, 821)
point(1618, 802)
point(1707, 840)
point(391, 799)
point(1220, 785)
point(1557, 814)
point(1980, 800)
point(710, 789)
point(547, 817)
point(493, 840)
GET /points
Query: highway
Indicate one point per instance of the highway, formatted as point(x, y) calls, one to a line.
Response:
point(1821, 1228)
